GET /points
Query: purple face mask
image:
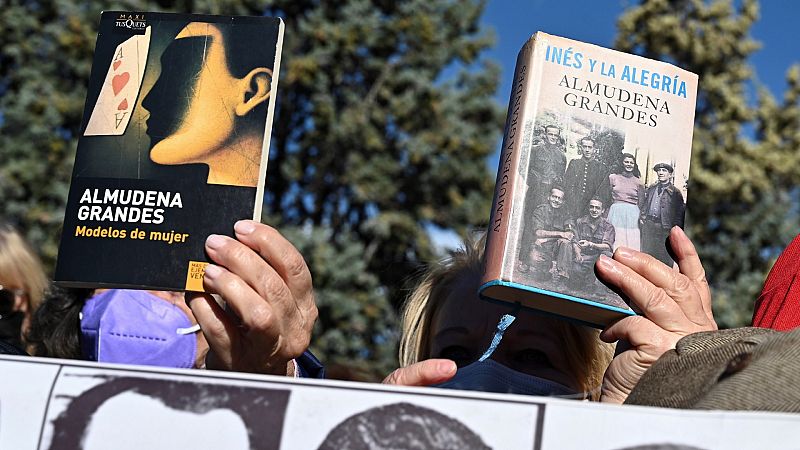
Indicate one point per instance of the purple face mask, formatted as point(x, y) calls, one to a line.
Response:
point(136, 327)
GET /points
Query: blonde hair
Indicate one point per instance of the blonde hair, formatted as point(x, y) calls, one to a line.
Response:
point(586, 355)
point(20, 265)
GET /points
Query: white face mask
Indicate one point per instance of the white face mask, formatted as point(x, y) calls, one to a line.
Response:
point(491, 376)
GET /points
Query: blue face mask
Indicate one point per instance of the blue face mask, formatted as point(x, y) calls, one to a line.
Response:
point(491, 376)
point(136, 327)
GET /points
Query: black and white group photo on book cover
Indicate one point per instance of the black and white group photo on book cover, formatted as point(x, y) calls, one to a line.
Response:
point(589, 189)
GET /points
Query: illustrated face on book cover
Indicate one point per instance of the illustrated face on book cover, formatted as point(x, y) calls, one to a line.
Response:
point(209, 103)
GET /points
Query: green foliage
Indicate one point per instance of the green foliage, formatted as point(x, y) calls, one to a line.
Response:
point(370, 140)
point(357, 325)
point(383, 125)
point(745, 160)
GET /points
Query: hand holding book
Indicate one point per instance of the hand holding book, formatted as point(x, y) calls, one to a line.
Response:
point(673, 304)
point(267, 287)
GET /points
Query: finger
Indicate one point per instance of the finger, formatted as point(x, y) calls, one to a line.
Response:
point(251, 271)
point(651, 300)
point(690, 265)
point(638, 331)
point(676, 285)
point(279, 253)
point(215, 324)
point(244, 302)
point(424, 373)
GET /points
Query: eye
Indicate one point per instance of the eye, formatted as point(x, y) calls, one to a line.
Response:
point(461, 355)
point(532, 357)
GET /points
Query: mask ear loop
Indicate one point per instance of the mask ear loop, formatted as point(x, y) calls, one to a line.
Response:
point(502, 326)
point(189, 330)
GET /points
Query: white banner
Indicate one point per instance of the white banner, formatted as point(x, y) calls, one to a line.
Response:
point(59, 404)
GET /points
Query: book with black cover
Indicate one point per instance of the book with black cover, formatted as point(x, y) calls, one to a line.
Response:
point(173, 146)
point(595, 156)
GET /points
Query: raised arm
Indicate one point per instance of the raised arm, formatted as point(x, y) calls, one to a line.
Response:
point(270, 310)
point(673, 304)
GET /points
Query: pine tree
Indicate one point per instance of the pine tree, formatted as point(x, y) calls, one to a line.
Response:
point(744, 162)
point(384, 122)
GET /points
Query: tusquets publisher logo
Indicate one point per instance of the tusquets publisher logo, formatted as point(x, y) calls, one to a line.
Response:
point(135, 23)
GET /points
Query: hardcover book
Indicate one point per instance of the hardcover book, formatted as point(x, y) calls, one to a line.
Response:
point(173, 146)
point(595, 156)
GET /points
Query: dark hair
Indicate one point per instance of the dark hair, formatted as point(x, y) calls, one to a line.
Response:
point(401, 425)
point(552, 126)
point(245, 51)
point(261, 409)
point(598, 199)
point(55, 325)
point(620, 169)
point(585, 138)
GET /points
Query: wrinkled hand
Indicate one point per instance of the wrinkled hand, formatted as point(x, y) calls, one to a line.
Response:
point(673, 303)
point(267, 287)
point(423, 373)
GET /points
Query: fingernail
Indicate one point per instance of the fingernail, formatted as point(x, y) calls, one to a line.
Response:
point(212, 271)
point(625, 252)
point(446, 367)
point(215, 241)
point(244, 227)
point(606, 263)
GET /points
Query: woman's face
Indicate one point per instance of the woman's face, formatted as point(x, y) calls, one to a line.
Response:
point(628, 164)
point(14, 300)
point(14, 296)
point(463, 326)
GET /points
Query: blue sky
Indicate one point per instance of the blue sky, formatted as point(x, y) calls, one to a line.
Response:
point(586, 20)
point(594, 21)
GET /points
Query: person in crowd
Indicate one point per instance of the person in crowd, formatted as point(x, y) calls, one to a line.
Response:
point(627, 195)
point(778, 306)
point(265, 327)
point(444, 322)
point(594, 236)
point(584, 179)
point(663, 209)
point(22, 285)
point(445, 327)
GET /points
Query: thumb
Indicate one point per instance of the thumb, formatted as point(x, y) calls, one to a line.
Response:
point(423, 373)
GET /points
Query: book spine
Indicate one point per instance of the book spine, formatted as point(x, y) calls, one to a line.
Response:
point(258, 204)
point(500, 219)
